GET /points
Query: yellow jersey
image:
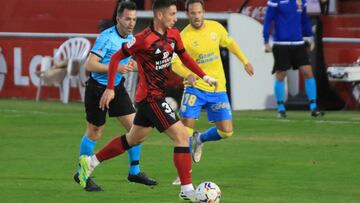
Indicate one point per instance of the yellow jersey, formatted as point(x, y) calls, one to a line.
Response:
point(203, 46)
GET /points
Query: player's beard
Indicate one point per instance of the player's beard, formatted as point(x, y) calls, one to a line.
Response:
point(198, 24)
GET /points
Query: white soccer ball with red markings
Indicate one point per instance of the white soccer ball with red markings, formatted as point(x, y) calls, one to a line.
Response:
point(172, 102)
point(208, 192)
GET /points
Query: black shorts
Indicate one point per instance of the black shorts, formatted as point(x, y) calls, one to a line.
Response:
point(155, 114)
point(121, 105)
point(289, 57)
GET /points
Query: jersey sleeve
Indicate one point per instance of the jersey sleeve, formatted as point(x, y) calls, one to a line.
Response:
point(179, 46)
point(305, 21)
point(101, 46)
point(128, 49)
point(225, 39)
point(132, 47)
point(269, 16)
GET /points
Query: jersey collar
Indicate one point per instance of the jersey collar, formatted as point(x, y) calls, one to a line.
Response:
point(158, 34)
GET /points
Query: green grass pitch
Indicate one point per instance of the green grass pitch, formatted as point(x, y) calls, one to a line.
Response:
point(297, 160)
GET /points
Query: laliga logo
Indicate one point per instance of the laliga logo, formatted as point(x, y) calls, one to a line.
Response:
point(3, 69)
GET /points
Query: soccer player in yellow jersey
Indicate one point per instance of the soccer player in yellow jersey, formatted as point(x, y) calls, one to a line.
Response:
point(202, 39)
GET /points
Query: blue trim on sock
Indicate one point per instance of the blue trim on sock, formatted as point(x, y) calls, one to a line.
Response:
point(134, 155)
point(210, 135)
point(310, 88)
point(87, 146)
point(279, 89)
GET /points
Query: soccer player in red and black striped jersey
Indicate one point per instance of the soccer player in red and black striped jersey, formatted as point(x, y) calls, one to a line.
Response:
point(153, 49)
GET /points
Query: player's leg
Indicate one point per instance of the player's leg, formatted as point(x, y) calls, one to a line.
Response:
point(182, 159)
point(281, 65)
point(95, 124)
point(135, 175)
point(279, 90)
point(191, 103)
point(115, 147)
point(123, 108)
point(219, 112)
point(161, 116)
point(302, 60)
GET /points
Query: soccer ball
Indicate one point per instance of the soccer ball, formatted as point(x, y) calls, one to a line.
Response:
point(208, 192)
point(172, 102)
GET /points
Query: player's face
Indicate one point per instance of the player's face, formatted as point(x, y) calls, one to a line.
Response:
point(126, 22)
point(195, 14)
point(169, 16)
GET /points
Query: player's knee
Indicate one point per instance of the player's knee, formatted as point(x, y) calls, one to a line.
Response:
point(94, 133)
point(225, 134)
point(190, 131)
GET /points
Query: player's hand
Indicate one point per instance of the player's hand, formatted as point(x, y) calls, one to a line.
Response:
point(125, 68)
point(310, 42)
point(249, 69)
point(268, 48)
point(133, 65)
point(211, 81)
point(106, 98)
point(191, 79)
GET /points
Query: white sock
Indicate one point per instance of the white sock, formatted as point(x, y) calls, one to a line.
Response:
point(187, 188)
point(94, 161)
point(198, 139)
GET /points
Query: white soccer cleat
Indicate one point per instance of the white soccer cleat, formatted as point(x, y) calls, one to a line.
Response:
point(197, 147)
point(188, 196)
point(177, 181)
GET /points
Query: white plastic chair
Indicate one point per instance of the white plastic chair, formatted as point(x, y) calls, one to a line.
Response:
point(74, 49)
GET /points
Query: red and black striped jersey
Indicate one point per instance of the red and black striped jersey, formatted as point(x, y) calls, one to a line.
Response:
point(153, 53)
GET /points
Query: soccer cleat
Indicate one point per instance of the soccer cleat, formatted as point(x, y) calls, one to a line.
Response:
point(281, 114)
point(85, 170)
point(188, 196)
point(142, 179)
point(176, 181)
point(317, 113)
point(91, 186)
point(197, 147)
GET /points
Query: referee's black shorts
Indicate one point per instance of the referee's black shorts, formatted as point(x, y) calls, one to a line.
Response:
point(121, 105)
point(289, 57)
point(155, 114)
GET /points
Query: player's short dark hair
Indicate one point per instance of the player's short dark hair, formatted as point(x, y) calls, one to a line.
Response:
point(188, 2)
point(129, 5)
point(160, 4)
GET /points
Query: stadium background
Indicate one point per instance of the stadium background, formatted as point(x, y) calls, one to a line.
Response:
point(20, 55)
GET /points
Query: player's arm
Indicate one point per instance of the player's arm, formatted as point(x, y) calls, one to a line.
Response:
point(179, 68)
point(228, 42)
point(195, 68)
point(126, 51)
point(269, 16)
point(109, 93)
point(306, 28)
point(93, 64)
point(190, 63)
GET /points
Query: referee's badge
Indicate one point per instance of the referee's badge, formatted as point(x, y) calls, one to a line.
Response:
point(131, 42)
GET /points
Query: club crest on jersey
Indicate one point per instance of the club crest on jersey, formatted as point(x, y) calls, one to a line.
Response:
point(165, 55)
point(299, 5)
point(131, 42)
point(172, 44)
point(213, 36)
